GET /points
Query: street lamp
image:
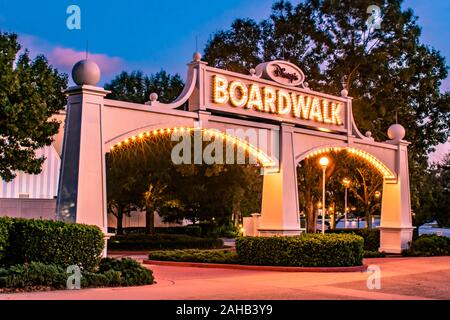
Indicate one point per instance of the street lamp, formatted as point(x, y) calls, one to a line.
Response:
point(346, 183)
point(324, 163)
point(377, 197)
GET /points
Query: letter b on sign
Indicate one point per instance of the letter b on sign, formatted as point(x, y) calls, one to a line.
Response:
point(74, 19)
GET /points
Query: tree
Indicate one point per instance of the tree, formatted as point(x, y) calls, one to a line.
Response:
point(31, 91)
point(137, 178)
point(441, 191)
point(121, 181)
point(136, 87)
point(148, 190)
point(365, 184)
point(309, 179)
point(389, 72)
point(155, 175)
point(142, 175)
point(217, 191)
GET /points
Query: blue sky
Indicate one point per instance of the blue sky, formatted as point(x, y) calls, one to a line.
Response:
point(152, 35)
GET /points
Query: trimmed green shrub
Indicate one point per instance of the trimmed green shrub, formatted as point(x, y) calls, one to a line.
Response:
point(195, 255)
point(33, 276)
point(371, 237)
point(52, 242)
point(374, 254)
point(109, 278)
point(39, 276)
point(131, 272)
point(310, 250)
point(429, 245)
point(4, 236)
point(190, 230)
point(209, 229)
point(162, 241)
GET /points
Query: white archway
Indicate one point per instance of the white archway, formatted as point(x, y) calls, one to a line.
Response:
point(291, 120)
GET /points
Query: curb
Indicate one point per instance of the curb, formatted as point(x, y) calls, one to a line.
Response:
point(362, 268)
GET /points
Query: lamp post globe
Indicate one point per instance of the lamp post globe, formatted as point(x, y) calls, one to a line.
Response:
point(324, 161)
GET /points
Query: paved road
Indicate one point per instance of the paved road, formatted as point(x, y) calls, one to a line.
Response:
point(402, 278)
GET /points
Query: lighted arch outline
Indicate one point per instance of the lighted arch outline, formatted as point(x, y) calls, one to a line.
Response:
point(374, 161)
point(265, 160)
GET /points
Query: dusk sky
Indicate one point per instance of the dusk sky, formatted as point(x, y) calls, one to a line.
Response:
point(153, 35)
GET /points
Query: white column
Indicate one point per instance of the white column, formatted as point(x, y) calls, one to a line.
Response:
point(396, 222)
point(279, 208)
point(82, 194)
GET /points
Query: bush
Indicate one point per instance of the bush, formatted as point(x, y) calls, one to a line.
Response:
point(310, 250)
point(371, 237)
point(194, 255)
point(429, 245)
point(191, 230)
point(52, 242)
point(131, 271)
point(33, 275)
point(374, 254)
point(38, 276)
point(162, 241)
point(4, 236)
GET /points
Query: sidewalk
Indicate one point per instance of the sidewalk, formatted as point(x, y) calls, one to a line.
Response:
point(401, 278)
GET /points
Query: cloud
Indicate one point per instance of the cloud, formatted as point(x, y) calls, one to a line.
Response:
point(63, 58)
point(441, 151)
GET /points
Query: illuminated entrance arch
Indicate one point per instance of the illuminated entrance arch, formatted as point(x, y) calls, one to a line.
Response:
point(290, 121)
point(369, 158)
point(242, 145)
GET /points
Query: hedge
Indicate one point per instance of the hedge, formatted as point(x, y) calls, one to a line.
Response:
point(131, 271)
point(371, 237)
point(162, 241)
point(190, 230)
point(4, 236)
point(52, 243)
point(310, 250)
point(40, 276)
point(429, 245)
point(195, 255)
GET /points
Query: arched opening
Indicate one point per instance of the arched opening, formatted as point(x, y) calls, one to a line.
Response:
point(144, 179)
point(353, 188)
point(262, 158)
point(364, 155)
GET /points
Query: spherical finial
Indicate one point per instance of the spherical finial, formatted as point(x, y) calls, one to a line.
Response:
point(368, 134)
point(153, 97)
point(86, 72)
point(197, 56)
point(344, 93)
point(252, 72)
point(396, 132)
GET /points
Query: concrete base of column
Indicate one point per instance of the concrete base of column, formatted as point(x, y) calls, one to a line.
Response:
point(106, 237)
point(395, 240)
point(269, 232)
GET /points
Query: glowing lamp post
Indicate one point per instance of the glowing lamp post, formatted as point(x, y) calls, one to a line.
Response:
point(324, 163)
point(346, 183)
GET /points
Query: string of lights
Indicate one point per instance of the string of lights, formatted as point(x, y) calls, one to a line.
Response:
point(382, 168)
point(261, 156)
